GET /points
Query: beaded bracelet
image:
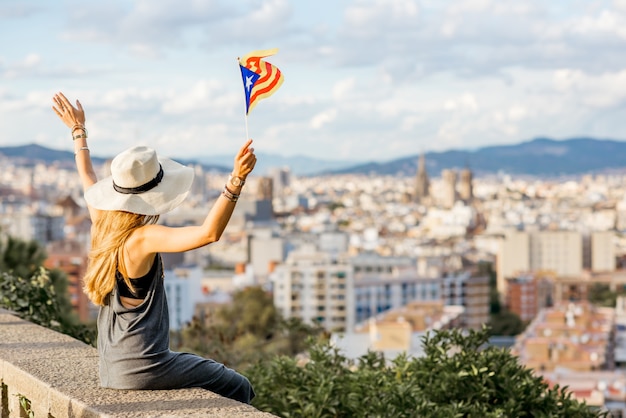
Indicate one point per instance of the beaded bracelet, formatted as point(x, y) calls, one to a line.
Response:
point(81, 149)
point(230, 195)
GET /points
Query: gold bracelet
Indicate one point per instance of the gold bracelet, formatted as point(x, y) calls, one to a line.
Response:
point(75, 137)
point(78, 126)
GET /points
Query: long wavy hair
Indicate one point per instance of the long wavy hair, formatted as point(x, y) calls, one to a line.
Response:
point(106, 256)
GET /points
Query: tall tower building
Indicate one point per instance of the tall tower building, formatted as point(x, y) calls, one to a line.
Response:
point(281, 180)
point(466, 192)
point(449, 188)
point(265, 188)
point(421, 180)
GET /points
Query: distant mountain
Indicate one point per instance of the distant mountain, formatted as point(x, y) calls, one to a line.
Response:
point(34, 152)
point(541, 157)
point(37, 153)
point(299, 165)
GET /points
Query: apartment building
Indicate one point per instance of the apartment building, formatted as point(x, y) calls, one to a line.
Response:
point(398, 330)
point(376, 295)
point(385, 283)
point(39, 227)
point(566, 254)
point(71, 258)
point(472, 293)
point(527, 294)
point(576, 336)
point(603, 254)
point(315, 287)
point(185, 288)
point(560, 252)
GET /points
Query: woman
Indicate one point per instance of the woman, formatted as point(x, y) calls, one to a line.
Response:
point(125, 272)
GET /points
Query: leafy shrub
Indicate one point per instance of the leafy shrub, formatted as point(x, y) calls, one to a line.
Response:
point(35, 299)
point(457, 377)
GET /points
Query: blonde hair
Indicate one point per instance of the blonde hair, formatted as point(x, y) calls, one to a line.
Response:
point(108, 236)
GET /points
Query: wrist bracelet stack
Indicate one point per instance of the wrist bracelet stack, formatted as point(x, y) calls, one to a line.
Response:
point(78, 136)
point(230, 195)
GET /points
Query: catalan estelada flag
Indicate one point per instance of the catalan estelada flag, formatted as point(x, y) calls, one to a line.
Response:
point(260, 79)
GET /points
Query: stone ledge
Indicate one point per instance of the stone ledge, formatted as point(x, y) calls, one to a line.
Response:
point(59, 375)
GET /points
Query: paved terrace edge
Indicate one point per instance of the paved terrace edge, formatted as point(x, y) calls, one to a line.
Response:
point(59, 375)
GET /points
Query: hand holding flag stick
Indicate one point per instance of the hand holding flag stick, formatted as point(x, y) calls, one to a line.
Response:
point(260, 79)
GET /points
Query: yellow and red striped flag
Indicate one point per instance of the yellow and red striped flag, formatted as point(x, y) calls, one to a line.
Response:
point(260, 79)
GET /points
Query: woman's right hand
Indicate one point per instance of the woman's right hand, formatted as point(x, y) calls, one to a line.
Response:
point(70, 115)
point(244, 161)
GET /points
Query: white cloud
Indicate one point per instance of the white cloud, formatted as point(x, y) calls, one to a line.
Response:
point(28, 65)
point(323, 118)
point(465, 102)
point(365, 13)
point(607, 22)
point(603, 91)
point(203, 95)
point(517, 112)
point(343, 88)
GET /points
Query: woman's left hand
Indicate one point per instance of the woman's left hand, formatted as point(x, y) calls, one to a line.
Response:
point(245, 161)
point(70, 115)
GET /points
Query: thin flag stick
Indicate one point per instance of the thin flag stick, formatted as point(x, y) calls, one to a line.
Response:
point(247, 134)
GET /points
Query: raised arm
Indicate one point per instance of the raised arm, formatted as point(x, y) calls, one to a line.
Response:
point(74, 118)
point(158, 238)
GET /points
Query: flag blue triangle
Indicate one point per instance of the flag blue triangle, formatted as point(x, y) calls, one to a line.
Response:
point(249, 80)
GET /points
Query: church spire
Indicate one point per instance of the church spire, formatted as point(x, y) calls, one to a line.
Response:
point(421, 180)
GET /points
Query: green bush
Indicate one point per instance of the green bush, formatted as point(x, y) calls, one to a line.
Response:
point(35, 299)
point(457, 377)
point(247, 331)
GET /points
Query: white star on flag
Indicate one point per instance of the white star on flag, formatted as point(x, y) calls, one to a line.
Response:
point(248, 83)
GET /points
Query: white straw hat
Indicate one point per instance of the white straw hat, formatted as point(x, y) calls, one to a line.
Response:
point(142, 183)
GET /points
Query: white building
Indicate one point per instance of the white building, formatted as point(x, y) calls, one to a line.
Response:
point(560, 252)
point(187, 287)
point(603, 252)
point(384, 283)
point(316, 288)
point(38, 227)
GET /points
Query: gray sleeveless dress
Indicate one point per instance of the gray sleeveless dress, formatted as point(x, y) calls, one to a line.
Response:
point(133, 346)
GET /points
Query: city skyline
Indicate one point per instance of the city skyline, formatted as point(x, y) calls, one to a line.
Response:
point(364, 79)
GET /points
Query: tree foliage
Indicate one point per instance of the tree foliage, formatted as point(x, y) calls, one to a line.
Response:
point(247, 331)
point(457, 377)
point(506, 323)
point(600, 294)
point(35, 293)
point(35, 299)
point(22, 258)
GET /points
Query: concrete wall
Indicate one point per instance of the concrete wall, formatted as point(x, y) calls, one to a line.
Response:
point(59, 375)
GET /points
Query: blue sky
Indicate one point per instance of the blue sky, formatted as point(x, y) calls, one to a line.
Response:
point(364, 79)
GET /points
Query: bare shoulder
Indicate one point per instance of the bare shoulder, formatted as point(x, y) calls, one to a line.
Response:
point(152, 231)
point(149, 239)
point(138, 256)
